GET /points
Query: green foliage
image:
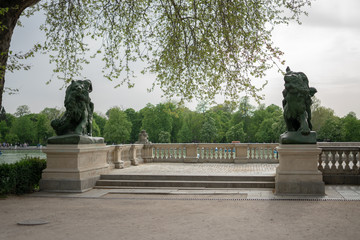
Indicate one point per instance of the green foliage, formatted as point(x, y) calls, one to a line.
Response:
point(136, 121)
point(12, 138)
point(95, 129)
point(118, 128)
point(185, 134)
point(208, 131)
point(25, 128)
point(52, 113)
point(156, 119)
point(22, 111)
point(236, 133)
point(222, 117)
point(191, 123)
point(331, 130)
point(100, 121)
point(168, 122)
point(196, 48)
point(164, 137)
point(43, 128)
point(351, 128)
point(319, 116)
point(21, 177)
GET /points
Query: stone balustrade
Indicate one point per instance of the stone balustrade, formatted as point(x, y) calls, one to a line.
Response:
point(212, 153)
point(340, 165)
point(339, 160)
point(335, 161)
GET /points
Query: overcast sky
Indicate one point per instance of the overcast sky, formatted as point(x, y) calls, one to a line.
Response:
point(326, 47)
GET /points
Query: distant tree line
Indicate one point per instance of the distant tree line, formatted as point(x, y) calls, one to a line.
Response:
point(172, 123)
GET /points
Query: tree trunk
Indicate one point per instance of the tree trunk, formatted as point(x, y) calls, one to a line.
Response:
point(7, 24)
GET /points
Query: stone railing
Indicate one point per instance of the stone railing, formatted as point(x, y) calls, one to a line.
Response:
point(121, 156)
point(336, 160)
point(340, 165)
point(212, 153)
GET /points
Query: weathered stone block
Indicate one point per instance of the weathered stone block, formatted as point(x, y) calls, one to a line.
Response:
point(73, 168)
point(297, 173)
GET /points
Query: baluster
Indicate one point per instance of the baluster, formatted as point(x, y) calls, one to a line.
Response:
point(355, 161)
point(157, 150)
point(158, 153)
point(266, 152)
point(341, 167)
point(333, 161)
point(175, 153)
point(347, 161)
point(271, 153)
point(327, 167)
point(211, 153)
point(216, 154)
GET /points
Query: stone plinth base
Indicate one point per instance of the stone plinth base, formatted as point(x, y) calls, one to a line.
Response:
point(297, 173)
point(73, 168)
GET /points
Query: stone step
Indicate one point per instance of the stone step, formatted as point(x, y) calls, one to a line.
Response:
point(184, 183)
point(263, 178)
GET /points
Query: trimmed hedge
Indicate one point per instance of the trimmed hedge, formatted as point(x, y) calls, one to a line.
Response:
point(21, 177)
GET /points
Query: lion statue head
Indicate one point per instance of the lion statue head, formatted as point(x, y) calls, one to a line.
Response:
point(297, 101)
point(77, 118)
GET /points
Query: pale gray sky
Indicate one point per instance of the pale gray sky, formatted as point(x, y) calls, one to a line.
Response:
point(326, 47)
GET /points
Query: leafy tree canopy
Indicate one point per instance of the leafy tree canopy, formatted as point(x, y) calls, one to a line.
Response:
point(196, 48)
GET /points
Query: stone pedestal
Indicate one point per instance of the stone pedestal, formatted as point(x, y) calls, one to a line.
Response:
point(297, 173)
point(73, 168)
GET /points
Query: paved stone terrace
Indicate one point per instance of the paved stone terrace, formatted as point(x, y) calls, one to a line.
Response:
point(200, 169)
point(333, 192)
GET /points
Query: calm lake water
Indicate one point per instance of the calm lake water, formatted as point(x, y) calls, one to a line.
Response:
point(12, 156)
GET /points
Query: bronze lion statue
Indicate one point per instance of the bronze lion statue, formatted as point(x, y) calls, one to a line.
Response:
point(77, 118)
point(297, 102)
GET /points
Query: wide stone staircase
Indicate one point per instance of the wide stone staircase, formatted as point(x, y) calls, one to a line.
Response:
point(183, 181)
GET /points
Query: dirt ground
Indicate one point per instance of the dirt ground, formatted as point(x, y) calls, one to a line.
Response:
point(109, 218)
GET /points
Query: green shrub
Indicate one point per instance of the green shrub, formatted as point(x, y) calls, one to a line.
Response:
point(21, 177)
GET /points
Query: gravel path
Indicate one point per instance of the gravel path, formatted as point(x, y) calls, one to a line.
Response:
point(128, 219)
